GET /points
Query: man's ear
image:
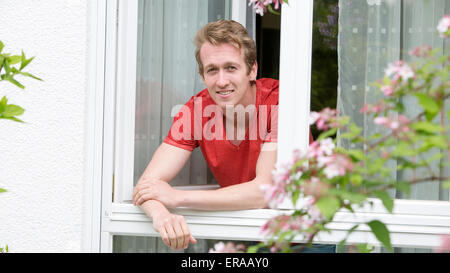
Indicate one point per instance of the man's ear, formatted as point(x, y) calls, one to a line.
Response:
point(254, 72)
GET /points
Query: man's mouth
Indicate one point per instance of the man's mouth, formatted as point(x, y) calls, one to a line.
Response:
point(224, 92)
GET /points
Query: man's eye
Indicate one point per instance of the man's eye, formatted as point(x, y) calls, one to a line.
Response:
point(232, 68)
point(211, 70)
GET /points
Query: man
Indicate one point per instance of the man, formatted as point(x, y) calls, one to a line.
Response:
point(226, 57)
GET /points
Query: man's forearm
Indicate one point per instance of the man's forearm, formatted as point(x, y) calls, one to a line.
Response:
point(153, 207)
point(237, 197)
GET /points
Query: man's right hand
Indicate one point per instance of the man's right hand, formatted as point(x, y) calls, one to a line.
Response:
point(173, 228)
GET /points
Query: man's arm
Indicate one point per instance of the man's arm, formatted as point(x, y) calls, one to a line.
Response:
point(237, 197)
point(166, 163)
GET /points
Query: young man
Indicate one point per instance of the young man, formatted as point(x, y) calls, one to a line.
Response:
point(239, 161)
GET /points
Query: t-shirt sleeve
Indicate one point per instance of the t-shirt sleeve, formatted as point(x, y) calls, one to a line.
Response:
point(272, 125)
point(181, 132)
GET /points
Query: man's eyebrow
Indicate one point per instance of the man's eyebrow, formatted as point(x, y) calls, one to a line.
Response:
point(225, 65)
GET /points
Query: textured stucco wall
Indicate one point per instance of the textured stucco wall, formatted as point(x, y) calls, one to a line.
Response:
point(41, 162)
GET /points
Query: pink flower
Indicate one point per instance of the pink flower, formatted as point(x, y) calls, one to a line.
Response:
point(257, 6)
point(381, 121)
point(399, 70)
point(324, 119)
point(444, 26)
point(335, 165)
point(421, 51)
point(445, 244)
point(229, 247)
point(387, 90)
point(399, 125)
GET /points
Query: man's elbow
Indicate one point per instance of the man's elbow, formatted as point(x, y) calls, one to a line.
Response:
point(262, 202)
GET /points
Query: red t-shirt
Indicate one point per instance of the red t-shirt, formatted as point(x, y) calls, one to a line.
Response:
point(230, 164)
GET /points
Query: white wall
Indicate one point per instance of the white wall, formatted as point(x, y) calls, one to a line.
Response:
point(42, 161)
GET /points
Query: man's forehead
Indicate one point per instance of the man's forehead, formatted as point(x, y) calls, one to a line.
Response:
point(210, 51)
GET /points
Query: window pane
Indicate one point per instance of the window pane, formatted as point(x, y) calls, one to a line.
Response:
point(132, 244)
point(167, 75)
point(373, 34)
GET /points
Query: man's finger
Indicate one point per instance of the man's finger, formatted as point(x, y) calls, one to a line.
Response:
point(172, 236)
point(186, 232)
point(180, 235)
point(192, 240)
point(164, 236)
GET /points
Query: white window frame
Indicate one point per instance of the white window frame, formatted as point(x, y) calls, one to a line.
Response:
point(112, 48)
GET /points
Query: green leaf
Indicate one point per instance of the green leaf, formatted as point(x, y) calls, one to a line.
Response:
point(16, 83)
point(295, 196)
point(30, 75)
point(356, 154)
point(25, 62)
point(326, 134)
point(13, 119)
point(429, 104)
point(446, 184)
point(14, 59)
point(388, 203)
point(3, 104)
point(1, 46)
point(364, 248)
point(12, 110)
point(381, 232)
point(2, 190)
point(427, 127)
point(272, 10)
point(328, 206)
point(403, 186)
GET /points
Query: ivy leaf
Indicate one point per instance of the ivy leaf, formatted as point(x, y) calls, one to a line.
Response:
point(381, 232)
point(328, 206)
point(388, 203)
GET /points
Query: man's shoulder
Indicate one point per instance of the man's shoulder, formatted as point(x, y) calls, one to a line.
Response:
point(269, 90)
point(202, 96)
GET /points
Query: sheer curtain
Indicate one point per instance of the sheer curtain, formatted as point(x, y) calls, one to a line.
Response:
point(167, 75)
point(373, 33)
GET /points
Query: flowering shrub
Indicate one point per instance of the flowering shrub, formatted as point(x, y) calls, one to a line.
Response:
point(262, 6)
point(324, 178)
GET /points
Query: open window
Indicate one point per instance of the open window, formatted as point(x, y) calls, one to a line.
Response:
point(150, 67)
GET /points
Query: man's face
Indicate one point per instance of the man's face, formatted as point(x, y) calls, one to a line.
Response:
point(225, 75)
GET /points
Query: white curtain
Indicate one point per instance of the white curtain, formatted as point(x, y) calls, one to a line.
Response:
point(373, 33)
point(167, 76)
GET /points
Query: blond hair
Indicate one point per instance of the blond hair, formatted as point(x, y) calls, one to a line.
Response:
point(223, 32)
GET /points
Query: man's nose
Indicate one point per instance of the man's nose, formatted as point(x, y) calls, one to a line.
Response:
point(223, 80)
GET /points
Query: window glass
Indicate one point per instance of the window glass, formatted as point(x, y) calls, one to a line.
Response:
point(167, 75)
point(372, 34)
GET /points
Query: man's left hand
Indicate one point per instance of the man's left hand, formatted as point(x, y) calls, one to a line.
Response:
point(155, 189)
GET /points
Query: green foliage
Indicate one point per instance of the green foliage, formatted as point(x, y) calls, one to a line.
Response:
point(4, 250)
point(381, 232)
point(13, 66)
point(356, 174)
